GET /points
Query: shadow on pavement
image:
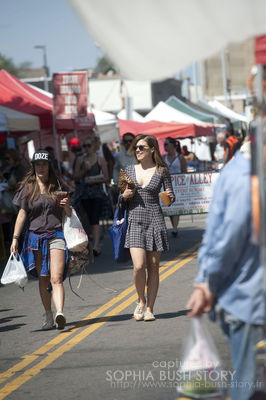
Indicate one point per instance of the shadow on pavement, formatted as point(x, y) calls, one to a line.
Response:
point(115, 318)
point(6, 309)
point(171, 314)
point(11, 327)
point(119, 318)
point(8, 319)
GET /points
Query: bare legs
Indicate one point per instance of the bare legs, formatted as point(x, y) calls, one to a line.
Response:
point(96, 234)
point(139, 262)
point(153, 260)
point(143, 259)
point(175, 222)
point(43, 282)
point(57, 263)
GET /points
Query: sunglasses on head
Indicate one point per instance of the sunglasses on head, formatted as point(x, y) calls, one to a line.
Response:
point(140, 147)
point(87, 145)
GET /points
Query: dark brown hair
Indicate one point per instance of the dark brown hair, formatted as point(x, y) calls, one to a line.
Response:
point(14, 154)
point(30, 182)
point(152, 143)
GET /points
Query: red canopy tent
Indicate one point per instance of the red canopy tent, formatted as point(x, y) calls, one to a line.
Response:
point(162, 130)
point(19, 96)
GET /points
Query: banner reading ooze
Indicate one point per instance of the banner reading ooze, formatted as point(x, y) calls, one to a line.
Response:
point(193, 193)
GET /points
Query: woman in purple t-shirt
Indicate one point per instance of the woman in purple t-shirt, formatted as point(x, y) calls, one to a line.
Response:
point(44, 248)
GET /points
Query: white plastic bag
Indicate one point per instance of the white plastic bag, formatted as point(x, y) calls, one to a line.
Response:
point(75, 235)
point(200, 366)
point(14, 271)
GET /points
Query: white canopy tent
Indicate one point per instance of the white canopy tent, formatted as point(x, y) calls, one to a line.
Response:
point(163, 112)
point(16, 121)
point(169, 34)
point(135, 116)
point(106, 125)
point(226, 111)
point(3, 123)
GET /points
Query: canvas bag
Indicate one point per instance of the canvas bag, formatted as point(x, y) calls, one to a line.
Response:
point(14, 271)
point(75, 235)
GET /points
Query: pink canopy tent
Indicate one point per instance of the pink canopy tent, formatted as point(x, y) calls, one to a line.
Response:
point(162, 130)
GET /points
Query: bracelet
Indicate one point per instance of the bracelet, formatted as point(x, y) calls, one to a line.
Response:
point(16, 237)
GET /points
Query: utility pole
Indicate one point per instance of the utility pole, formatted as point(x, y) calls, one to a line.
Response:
point(45, 66)
point(224, 77)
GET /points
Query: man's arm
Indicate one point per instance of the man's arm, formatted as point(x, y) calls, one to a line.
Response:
point(227, 233)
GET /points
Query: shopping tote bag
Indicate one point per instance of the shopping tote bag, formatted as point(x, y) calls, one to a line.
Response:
point(75, 235)
point(14, 271)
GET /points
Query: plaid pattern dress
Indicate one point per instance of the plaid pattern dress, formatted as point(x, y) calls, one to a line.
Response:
point(146, 225)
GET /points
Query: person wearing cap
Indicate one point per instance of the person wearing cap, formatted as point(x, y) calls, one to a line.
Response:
point(76, 148)
point(44, 251)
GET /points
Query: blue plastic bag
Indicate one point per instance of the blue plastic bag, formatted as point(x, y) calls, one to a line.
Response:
point(118, 233)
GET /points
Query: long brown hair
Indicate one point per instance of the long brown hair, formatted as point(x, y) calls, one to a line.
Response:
point(156, 155)
point(31, 184)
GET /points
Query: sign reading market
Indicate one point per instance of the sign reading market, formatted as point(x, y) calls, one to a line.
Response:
point(193, 193)
point(70, 94)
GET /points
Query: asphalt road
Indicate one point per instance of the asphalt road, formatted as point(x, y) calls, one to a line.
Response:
point(103, 353)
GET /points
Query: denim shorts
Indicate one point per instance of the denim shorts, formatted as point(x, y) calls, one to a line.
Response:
point(57, 244)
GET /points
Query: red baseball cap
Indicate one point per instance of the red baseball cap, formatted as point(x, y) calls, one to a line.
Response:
point(74, 142)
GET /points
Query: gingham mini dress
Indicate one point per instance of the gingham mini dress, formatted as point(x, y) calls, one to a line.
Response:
point(146, 226)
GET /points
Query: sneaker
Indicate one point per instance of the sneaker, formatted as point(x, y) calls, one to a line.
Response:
point(48, 322)
point(60, 320)
point(148, 316)
point(139, 312)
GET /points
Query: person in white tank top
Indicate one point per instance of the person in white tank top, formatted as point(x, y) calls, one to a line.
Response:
point(176, 165)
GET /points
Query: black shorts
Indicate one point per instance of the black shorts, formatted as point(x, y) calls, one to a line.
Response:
point(92, 207)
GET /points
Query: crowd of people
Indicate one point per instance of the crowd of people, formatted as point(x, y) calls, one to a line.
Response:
point(230, 273)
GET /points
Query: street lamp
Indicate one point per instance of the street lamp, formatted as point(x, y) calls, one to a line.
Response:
point(46, 70)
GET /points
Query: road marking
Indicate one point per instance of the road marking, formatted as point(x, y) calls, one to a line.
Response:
point(28, 359)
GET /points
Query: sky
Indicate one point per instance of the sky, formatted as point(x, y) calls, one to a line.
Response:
point(53, 23)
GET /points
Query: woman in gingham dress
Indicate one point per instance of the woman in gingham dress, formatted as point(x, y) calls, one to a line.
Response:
point(146, 233)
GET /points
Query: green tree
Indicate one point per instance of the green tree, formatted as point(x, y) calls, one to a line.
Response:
point(9, 65)
point(104, 65)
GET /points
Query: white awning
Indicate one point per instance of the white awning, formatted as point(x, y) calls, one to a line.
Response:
point(18, 121)
point(226, 111)
point(155, 39)
point(163, 112)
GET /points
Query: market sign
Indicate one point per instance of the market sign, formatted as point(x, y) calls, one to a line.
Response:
point(70, 95)
point(193, 193)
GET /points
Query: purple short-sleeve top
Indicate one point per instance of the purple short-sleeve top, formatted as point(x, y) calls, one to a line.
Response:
point(44, 215)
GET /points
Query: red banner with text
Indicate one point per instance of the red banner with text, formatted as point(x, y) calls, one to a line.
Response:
point(70, 94)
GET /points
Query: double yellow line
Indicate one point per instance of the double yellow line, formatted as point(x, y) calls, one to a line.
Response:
point(165, 271)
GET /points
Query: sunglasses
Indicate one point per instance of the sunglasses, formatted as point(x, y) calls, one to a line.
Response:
point(128, 141)
point(87, 145)
point(141, 147)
